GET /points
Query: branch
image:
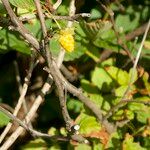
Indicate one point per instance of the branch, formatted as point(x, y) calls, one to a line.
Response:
point(62, 100)
point(21, 99)
point(30, 130)
point(29, 116)
point(57, 4)
point(78, 93)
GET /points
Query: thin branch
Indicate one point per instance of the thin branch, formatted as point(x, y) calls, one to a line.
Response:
point(57, 4)
point(30, 130)
point(78, 93)
point(65, 113)
point(136, 32)
point(32, 16)
point(29, 116)
point(121, 103)
point(21, 99)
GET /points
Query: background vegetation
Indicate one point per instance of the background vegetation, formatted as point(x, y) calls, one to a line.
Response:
point(101, 66)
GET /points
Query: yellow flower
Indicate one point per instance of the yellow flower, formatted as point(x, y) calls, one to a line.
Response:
point(66, 39)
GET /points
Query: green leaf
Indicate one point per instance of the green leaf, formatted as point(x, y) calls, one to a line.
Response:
point(4, 120)
point(101, 79)
point(54, 147)
point(87, 124)
point(129, 144)
point(114, 142)
point(119, 92)
point(10, 41)
point(120, 76)
point(119, 115)
point(145, 79)
point(24, 4)
point(83, 147)
point(74, 105)
point(135, 75)
point(95, 13)
point(37, 144)
point(142, 111)
point(2, 9)
point(108, 62)
point(128, 21)
point(88, 86)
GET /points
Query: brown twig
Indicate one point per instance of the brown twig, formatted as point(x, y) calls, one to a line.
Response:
point(136, 32)
point(60, 88)
point(30, 130)
point(21, 99)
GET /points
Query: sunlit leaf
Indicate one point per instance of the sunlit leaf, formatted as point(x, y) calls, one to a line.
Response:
point(87, 124)
point(4, 120)
point(129, 144)
point(119, 75)
point(37, 144)
point(101, 79)
point(24, 4)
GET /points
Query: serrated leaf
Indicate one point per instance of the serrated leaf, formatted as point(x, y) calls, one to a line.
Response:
point(96, 28)
point(119, 75)
point(24, 4)
point(135, 75)
point(119, 92)
point(142, 111)
point(147, 44)
point(145, 79)
point(87, 124)
point(129, 114)
point(125, 21)
point(37, 144)
point(101, 79)
point(4, 120)
point(83, 147)
point(114, 141)
point(129, 144)
point(89, 87)
point(119, 115)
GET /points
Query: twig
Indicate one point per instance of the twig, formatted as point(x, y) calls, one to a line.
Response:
point(65, 113)
point(21, 99)
point(119, 41)
point(32, 16)
point(136, 61)
point(136, 32)
point(30, 130)
point(57, 4)
point(29, 116)
point(116, 107)
point(78, 93)
point(72, 10)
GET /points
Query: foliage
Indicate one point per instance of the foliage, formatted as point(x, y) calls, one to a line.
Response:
point(105, 83)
